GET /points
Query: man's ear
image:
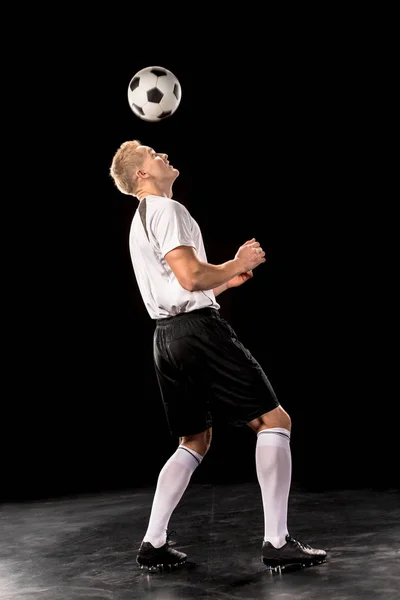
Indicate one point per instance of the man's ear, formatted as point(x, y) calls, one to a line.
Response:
point(141, 174)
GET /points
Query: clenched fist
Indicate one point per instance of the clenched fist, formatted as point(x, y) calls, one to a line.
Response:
point(251, 255)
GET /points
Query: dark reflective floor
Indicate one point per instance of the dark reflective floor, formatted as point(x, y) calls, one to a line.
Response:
point(84, 547)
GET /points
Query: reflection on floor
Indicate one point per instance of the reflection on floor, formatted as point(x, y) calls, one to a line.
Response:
point(84, 547)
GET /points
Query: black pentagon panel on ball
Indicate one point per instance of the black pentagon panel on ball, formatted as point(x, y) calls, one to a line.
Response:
point(165, 114)
point(155, 95)
point(158, 72)
point(177, 91)
point(138, 109)
point(134, 83)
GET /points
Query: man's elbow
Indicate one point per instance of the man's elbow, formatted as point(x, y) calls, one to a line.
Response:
point(190, 282)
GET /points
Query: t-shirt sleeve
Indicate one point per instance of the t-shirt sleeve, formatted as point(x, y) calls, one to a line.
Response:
point(172, 227)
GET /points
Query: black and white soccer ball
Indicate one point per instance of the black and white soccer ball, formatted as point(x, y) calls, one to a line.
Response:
point(154, 94)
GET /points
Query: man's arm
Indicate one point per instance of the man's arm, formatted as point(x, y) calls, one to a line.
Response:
point(219, 289)
point(195, 275)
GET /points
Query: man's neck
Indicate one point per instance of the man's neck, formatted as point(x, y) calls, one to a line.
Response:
point(153, 192)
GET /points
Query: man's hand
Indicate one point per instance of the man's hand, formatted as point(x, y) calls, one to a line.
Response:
point(239, 279)
point(251, 255)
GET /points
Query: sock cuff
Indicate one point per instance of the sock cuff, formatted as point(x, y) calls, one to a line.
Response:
point(275, 436)
point(279, 430)
point(198, 457)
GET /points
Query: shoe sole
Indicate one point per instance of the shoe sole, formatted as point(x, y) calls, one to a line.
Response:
point(160, 567)
point(277, 566)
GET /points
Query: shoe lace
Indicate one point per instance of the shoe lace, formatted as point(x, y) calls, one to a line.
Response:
point(169, 535)
point(289, 538)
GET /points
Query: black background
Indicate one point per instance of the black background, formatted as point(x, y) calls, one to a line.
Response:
point(273, 140)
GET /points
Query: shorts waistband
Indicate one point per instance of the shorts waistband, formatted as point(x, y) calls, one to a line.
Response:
point(193, 314)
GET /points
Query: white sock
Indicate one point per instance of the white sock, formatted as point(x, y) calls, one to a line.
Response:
point(172, 481)
point(274, 472)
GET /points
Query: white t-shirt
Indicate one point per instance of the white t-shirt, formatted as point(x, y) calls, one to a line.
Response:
point(169, 225)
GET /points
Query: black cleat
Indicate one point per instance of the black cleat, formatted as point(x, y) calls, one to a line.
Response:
point(293, 555)
point(159, 559)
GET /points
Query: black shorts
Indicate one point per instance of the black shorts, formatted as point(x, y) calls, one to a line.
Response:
point(204, 370)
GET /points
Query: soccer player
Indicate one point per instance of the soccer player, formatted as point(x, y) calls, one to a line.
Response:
point(201, 366)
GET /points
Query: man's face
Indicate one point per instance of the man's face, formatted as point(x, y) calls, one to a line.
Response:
point(156, 165)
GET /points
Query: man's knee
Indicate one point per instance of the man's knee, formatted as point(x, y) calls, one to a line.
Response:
point(200, 442)
point(277, 417)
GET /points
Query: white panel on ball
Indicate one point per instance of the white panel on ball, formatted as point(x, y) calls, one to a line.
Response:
point(152, 111)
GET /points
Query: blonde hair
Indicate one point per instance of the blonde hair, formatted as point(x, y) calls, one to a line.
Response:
point(123, 166)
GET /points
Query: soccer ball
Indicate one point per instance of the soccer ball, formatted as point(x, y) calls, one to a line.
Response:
point(154, 94)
